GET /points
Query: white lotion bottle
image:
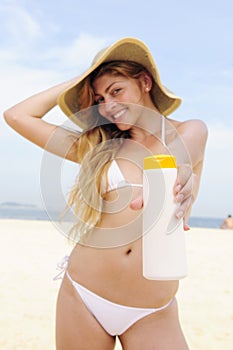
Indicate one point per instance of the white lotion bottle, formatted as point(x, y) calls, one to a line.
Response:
point(163, 241)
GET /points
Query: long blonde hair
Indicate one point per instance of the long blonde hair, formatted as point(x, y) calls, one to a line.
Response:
point(96, 147)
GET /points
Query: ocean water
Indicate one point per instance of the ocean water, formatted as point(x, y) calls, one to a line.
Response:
point(205, 222)
point(23, 214)
point(31, 213)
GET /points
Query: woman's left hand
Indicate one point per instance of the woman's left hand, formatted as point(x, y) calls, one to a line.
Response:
point(183, 192)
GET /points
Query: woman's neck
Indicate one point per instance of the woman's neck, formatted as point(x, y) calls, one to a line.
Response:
point(147, 126)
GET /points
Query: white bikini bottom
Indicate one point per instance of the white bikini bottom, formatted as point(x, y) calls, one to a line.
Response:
point(114, 318)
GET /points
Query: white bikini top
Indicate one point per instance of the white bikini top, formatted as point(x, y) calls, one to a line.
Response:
point(116, 178)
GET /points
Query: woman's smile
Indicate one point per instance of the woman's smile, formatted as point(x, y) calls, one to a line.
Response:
point(119, 116)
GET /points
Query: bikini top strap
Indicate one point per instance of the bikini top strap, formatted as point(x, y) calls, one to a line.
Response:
point(163, 132)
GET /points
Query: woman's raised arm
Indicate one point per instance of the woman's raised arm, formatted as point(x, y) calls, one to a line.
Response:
point(26, 118)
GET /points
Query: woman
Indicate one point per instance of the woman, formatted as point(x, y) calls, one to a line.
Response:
point(103, 293)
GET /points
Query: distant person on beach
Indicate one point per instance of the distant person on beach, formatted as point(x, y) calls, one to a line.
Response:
point(227, 223)
point(122, 109)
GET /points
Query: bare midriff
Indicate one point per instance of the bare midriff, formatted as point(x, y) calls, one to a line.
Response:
point(109, 263)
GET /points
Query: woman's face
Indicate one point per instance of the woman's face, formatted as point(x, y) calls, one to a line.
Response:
point(116, 96)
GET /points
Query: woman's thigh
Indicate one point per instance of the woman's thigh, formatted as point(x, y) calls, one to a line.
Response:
point(76, 327)
point(158, 331)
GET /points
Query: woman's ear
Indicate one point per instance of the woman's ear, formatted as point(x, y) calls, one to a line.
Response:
point(146, 82)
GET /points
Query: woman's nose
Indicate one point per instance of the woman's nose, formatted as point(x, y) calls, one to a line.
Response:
point(108, 107)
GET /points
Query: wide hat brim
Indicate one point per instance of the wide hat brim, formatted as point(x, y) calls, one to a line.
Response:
point(126, 49)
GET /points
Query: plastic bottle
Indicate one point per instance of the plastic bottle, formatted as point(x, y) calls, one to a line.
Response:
point(163, 241)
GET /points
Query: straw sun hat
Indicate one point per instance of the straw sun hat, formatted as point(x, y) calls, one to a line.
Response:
point(126, 49)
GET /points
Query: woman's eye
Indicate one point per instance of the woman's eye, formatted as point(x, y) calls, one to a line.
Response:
point(99, 100)
point(116, 91)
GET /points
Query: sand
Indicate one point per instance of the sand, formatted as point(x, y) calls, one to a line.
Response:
point(30, 250)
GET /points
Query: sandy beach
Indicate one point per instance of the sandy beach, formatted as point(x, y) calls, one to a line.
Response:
point(30, 250)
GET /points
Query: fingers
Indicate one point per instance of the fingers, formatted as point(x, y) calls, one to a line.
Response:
point(184, 173)
point(183, 207)
point(183, 190)
point(186, 227)
point(137, 203)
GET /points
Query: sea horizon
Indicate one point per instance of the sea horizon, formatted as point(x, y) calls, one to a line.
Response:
point(13, 210)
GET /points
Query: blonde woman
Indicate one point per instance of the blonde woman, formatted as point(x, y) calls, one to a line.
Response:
point(103, 293)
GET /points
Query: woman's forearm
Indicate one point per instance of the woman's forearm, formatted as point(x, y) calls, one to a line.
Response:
point(39, 104)
point(26, 118)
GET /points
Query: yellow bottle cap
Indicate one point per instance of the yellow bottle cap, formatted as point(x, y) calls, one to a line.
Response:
point(159, 161)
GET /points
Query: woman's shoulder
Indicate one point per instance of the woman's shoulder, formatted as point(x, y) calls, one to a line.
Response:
point(191, 127)
point(187, 122)
point(196, 123)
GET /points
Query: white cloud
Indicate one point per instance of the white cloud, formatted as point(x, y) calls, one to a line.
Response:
point(72, 57)
point(78, 54)
point(19, 24)
point(20, 80)
point(26, 39)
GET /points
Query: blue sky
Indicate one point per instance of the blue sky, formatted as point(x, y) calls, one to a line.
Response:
point(45, 42)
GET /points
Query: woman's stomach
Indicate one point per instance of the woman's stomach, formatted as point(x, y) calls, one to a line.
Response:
point(108, 260)
point(116, 274)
